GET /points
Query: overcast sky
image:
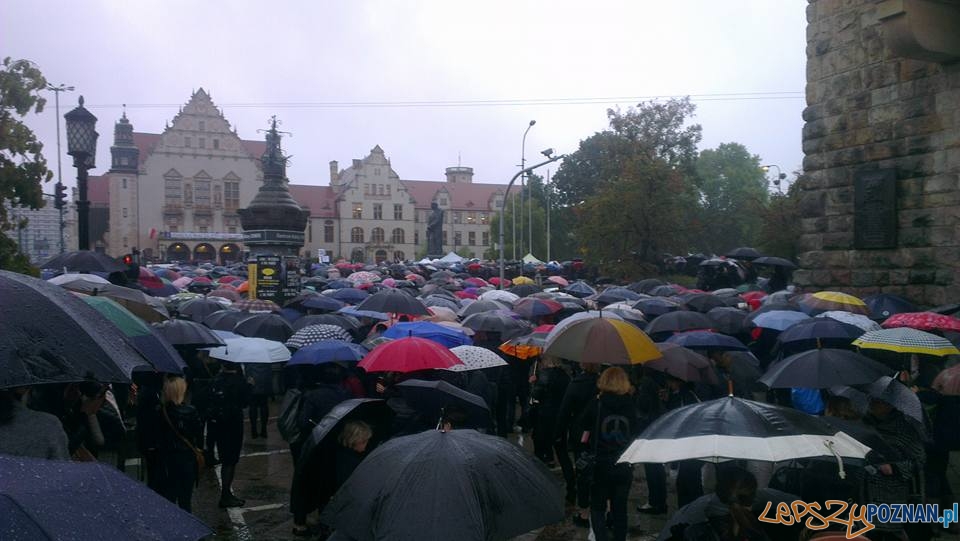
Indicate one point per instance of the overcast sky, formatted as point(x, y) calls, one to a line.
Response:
point(426, 80)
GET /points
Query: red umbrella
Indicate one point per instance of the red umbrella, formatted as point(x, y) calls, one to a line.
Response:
point(923, 321)
point(474, 266)
point(531, 307)
point(408, 355)
point(559, 280)
point(202, 280)
point(479, 282)
point(228, 279)
point(466, 294)
point(496, 281)
point(148, 279)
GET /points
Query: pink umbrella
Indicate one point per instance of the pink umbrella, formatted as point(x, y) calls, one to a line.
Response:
point(148, 279)
point(202, 280)
point(496, 281)
point(228, 279)
point(182, 282)
point(559, 280)
point(389, 282)
point(474, 281)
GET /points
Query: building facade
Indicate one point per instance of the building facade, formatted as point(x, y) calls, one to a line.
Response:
point(39, 239)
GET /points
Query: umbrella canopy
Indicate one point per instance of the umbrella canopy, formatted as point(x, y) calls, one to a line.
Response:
point(684, 364)
point(617, 294)
point(482, 306)
point(265, 325)
point(923, 321)
point(727, 320)
point(858, 320)
point(905, 340)
point(657, 306)
point(350, 295)
point(84, 261)
point(198, 308)
point(898, 395)
point(532, 308)
point(442, 301)
point(700, 510)
point(644, 286)
point(363, 277)
point(48, 499)
point(777, 320)
point(529, 345)
point(524, 290)
point(156, 349)
point(374, 412)
point(84, 279)
point(340, 320)
point(579, 289)
point(475, 358)
point(601, 340)
point(735, 428)
point(824, 301)
point(257, 305)
point(322, 303)
point(251, 350)
point(820, 331)
point(225, 320)
point(947, 381)
point(312, 334)
point(503, 323)
point(522, 280)
point(673, 322)
point(431, 398)
point(499, 295)
point(408, 355)
point(225, 293)
point(353, 312)
point(148, 308)
point(822, 369)
point(446, 485)
point(559, 280)
point(394, 301)
point(328, 351)
point(48, 335)
point(440, 313)
point(707, 340)
point(431, 331)
point(745, 253)
point(771, 261)
point(703, 302)
point(884, 305)
point(181, 332)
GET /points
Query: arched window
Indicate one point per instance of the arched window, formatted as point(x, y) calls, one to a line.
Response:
point(397, 236)
point(376, 235)
point(356, 234)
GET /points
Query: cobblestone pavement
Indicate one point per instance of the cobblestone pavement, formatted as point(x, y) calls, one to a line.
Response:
point(263, 480)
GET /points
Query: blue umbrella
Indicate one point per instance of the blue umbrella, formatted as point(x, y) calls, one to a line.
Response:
point(707, 340)
point(50, 499)
point(322, 302)
point(340, 284)
point(778, 320)
point(328, 351)
point(580, 289)
point(350, 295)
point(431, 331)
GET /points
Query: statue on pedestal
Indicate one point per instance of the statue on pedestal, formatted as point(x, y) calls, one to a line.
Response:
point(435, 231)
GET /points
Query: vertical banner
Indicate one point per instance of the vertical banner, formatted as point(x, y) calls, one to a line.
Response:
point(251, 280)
point(269, 276)
point(290, 282)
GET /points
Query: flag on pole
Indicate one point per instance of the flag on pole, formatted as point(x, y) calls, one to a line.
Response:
point(153, 232)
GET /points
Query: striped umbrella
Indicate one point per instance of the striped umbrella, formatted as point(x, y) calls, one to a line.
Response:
point(312, 334)
point(923, 321)
point(824, 301)
point(601, 340)
point(257, 305)
point(856, 320)
point(906, 340)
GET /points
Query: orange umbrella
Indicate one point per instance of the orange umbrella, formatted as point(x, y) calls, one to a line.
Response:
point(243, 287)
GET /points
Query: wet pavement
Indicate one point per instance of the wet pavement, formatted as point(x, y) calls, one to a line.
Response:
point(263, 480)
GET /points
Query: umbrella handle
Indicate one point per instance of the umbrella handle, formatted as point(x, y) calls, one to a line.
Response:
point(729, 386)
point(840, 472)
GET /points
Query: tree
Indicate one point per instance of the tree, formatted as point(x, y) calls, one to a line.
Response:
point(632, 187)
point(778, 233)
point(22, 165)
point(532, 211)
point(733, 197)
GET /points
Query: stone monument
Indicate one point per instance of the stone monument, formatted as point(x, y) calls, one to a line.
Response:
point(435, 232)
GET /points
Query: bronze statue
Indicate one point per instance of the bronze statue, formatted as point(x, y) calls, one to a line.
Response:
point(435, 231)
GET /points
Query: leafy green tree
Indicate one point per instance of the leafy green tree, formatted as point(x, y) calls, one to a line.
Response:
point(22, 165)
point(780, 218)
point(734, 195)
point(532, 210)
point(632, 187)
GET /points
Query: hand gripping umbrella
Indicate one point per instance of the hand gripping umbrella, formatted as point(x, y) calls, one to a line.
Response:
point(460, 485)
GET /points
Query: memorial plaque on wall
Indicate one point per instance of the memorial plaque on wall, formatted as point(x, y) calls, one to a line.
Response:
point(875, 210)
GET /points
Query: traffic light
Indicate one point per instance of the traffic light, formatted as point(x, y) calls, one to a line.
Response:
point(133, 268)
point(60, 196)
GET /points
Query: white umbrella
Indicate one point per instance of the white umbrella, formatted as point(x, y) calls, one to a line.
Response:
point(856, 320)
point(75, 276)
point(500, 295)
point(251, 350)
point(474, 358)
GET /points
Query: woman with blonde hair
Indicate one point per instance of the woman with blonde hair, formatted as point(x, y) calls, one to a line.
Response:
point(610, 424)
point(179, 440)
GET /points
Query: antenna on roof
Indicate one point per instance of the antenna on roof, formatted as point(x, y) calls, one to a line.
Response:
point(458, 158)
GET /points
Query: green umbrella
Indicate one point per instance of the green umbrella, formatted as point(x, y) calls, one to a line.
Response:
point(141, 336)
point(124, 319)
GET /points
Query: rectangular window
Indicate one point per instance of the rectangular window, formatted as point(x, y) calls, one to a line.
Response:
point(187, 195)
point(377, 211)
point(201, 193)
point(485, 238)
point(357, 211)
point(471, 217)
point(203, 126)
point(472, 238)
point(397, 211)
point(216, 144)
point(186, 142)
point(174, 228)
point(231, 195)
point(443, 202)
point(124, 184)
point(484, 218)
point(388, 189)
point(379, 189)
point(201, 142)
point(416, 238)
point(417, 216)
point(457, 216)
point(328, 233)
point(457, 238)
point(444, 242)
point(366, 189)
point(203, 229)
point(124, 213)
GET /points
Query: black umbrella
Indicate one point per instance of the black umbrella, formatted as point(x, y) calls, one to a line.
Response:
point(198, 309)
point(771, 261)
point(52, 499)
point(644, 286)
point(312, 334)
point(898, 395)
point(664, 291)
point(820, 332)
point(657, 306)
point(375, 413)
point(745, 253)
point(680, 321)
point(482, 306)
point(439, 300)
point(702, 302)
point(498, 322)
point(394, 301)
point(734, 428)
point(321, 302)
point(84, 261)
point(430, 398)
point(823, 368)
point(460, 485)
point(48, 335)
point(727, 320)
point(684, 364)
point(884, 305)
point(349, 323)
point(524, 290)
point(580, 289)
point(269, 326)
point(617, 294)
point(181, 332)
point(225, 320)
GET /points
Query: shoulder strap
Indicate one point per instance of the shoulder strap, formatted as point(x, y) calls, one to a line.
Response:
point(596, 428)
point(163, 409)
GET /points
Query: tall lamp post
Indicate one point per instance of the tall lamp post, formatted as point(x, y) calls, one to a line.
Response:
point(59, 187)
point(779, 178)
point(82, 145)
point(523, 163)
point(507, 194)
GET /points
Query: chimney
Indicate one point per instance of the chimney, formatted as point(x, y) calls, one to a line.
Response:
point(334, 173)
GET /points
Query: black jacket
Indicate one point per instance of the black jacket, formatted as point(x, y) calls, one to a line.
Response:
point(317, 402)
point(185, 420)
point(581, 390)
point(613, 424)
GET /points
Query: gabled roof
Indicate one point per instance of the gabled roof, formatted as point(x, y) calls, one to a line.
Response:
point(147, 141)
point(321, 200)
point(98, 190)
point(463, 196)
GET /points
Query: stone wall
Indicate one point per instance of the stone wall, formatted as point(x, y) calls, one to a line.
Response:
point(869, 108)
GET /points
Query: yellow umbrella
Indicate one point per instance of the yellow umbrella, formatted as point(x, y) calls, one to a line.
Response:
point(601, 340)
point(825, 301)
point(522, 280)
point(906, 340)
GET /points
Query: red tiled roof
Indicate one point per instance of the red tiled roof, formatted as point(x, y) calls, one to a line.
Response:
point(146, 141)
point(98, 190)
point(463, 196)
point(321, 200)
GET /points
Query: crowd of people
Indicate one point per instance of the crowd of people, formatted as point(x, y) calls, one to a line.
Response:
point(581, 417)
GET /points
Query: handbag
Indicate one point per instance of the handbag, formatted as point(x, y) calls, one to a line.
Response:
point(587, 459)
point(197, 453)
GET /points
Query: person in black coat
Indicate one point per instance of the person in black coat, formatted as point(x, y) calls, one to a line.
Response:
point(548, 387)
point(582, 389)
point(149, 388)
point(611, 423)
point(229, 394)
point(179, 433)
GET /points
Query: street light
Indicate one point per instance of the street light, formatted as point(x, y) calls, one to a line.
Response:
point(507, 194)
point(523, 163)
point(60, 188)
point(82, 145)
point(780, 175)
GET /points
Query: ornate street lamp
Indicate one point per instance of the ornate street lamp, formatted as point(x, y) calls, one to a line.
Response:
point(82, 145)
